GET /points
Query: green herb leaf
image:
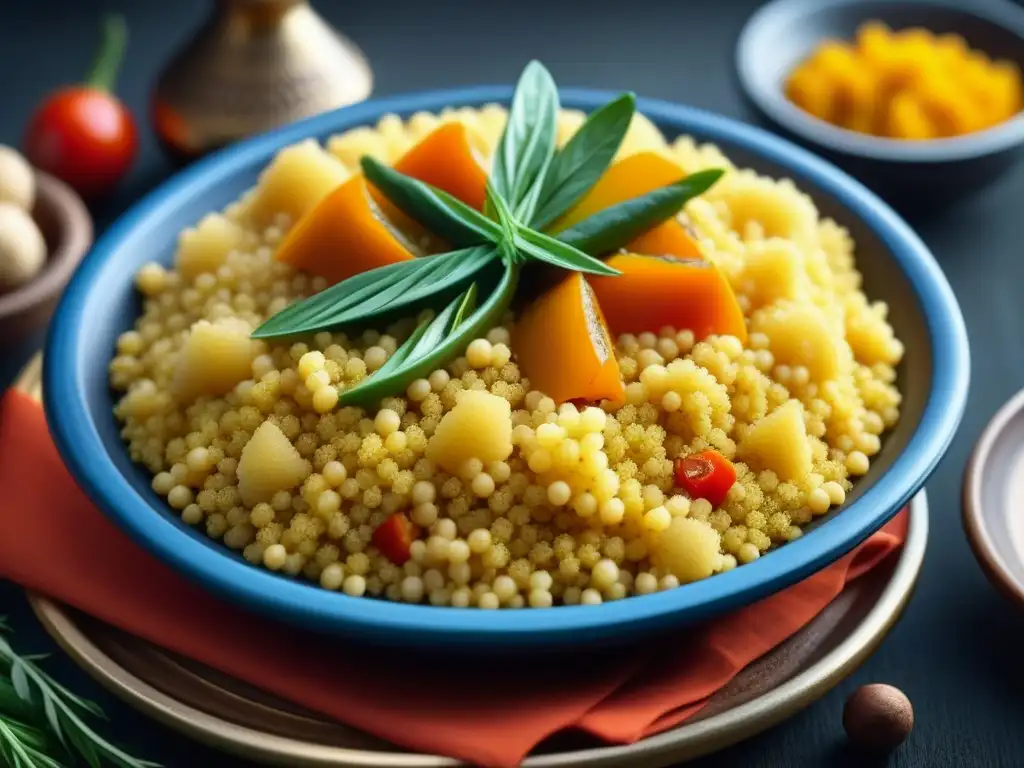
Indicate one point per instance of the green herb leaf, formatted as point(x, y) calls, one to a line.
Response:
point(496, 204)
point(440, 342)
point(546, 248)
point(385, 289)
point(467, 305)
point(583, 160)
point(612, 228)
point(528, 142)
point(48, 709)
point(435, 209)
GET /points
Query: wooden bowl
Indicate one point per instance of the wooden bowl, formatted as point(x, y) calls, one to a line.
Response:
point(67, 228)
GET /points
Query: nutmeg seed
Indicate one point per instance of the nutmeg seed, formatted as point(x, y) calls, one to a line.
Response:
point(878, 717)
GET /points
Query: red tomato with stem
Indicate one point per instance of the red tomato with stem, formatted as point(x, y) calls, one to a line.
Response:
point(83, 134)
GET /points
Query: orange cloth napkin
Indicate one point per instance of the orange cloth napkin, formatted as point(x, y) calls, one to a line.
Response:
point(489, 712)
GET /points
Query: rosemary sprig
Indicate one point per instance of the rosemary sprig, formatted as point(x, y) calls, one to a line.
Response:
point(531, 185)
point(40, 718)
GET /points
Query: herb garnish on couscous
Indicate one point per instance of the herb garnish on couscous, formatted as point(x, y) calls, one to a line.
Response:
point(451, 361)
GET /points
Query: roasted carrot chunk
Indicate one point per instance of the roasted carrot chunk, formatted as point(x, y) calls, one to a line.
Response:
point(631, 177)
point(344, 235)
point(563, 346)
point(669, 238)
point(446, 160)
point(652, 292)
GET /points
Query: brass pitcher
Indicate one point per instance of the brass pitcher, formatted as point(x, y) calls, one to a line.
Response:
point(254, 65)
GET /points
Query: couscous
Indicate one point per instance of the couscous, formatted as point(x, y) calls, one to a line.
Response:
point(718, 385)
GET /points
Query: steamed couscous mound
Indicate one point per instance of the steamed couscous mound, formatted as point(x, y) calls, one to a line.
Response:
point(506, 497)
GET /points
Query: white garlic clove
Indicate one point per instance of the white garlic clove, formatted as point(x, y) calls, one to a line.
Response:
point(17, 179)
point(22, 248)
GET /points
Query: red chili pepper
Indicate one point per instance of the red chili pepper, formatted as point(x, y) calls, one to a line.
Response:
point(706, 475)
point(84, 134)
point(394, 537)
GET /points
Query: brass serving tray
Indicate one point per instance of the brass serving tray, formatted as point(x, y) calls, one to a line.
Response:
point(235, 717)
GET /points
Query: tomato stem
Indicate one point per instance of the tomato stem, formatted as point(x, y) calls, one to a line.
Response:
point(108, 59)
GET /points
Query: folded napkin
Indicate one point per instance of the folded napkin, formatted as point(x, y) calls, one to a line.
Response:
point(492, 713)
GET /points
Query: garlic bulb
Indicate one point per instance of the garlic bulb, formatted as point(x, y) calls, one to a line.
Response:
point(17, 179)
point(22, 248)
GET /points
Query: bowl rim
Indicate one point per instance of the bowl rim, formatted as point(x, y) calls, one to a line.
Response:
point(780, 110)
point(80, 445)
point(973, 508)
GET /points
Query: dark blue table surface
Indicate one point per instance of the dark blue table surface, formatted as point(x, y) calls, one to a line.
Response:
point(957, 650)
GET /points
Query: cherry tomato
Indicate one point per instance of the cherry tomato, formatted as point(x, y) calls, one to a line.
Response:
point(85, 137)
point(706, 475)
point(84, 134)
point(394, 537)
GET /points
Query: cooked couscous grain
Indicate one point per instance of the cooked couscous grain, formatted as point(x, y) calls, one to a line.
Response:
point(512, 499)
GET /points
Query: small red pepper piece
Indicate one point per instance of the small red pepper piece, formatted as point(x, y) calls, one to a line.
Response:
point(706, 475)
point(394, 537)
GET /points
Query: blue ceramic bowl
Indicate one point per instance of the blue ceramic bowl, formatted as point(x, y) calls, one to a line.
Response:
point(912, 175)
point(100, 303)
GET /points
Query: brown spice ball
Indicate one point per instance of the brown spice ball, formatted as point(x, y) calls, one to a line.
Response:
point(878, 717)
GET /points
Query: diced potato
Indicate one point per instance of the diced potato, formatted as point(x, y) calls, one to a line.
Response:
point(773, 271)
point(349, 147)
point(478, 427)
point(871, 338)
point(779, 442)
point(206, 247)
point(688, 549)
point(298, 178)
point(215, 358)
point(800, 334)
point(269, 463)
point(641, 136)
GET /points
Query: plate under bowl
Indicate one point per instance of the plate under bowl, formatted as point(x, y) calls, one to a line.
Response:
point(100, 303)
point(912, 175)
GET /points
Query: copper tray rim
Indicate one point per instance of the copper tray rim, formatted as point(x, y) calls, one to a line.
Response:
point(687, 741)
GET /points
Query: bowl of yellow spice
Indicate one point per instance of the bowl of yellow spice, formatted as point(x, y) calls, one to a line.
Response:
point(919, 99)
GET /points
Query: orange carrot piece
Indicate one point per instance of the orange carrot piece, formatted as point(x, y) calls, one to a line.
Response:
point(562, 344)
point(669, 238)
point(445, 159)
point(343, 235)
point(631, 177)
point(652, 292)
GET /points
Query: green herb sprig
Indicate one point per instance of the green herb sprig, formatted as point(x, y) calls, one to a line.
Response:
point(531, 185)
point(41, 721)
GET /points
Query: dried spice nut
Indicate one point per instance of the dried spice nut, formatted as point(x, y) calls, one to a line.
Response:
point(878, 717)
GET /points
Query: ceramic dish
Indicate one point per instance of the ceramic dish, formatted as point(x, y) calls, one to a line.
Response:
point(909, 174)
point(67, 228)
point(992, 484)
point(100, 303)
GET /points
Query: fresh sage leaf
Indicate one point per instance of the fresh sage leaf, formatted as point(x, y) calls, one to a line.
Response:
point(441, 342)
point(448, 271)
point(304, 315)
point(435, 209)
point(497, 205)
point(546, 248)
point(382, 290)
point(466, 306)
point(614, 227)
point(583, 160)
point(528, 142)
